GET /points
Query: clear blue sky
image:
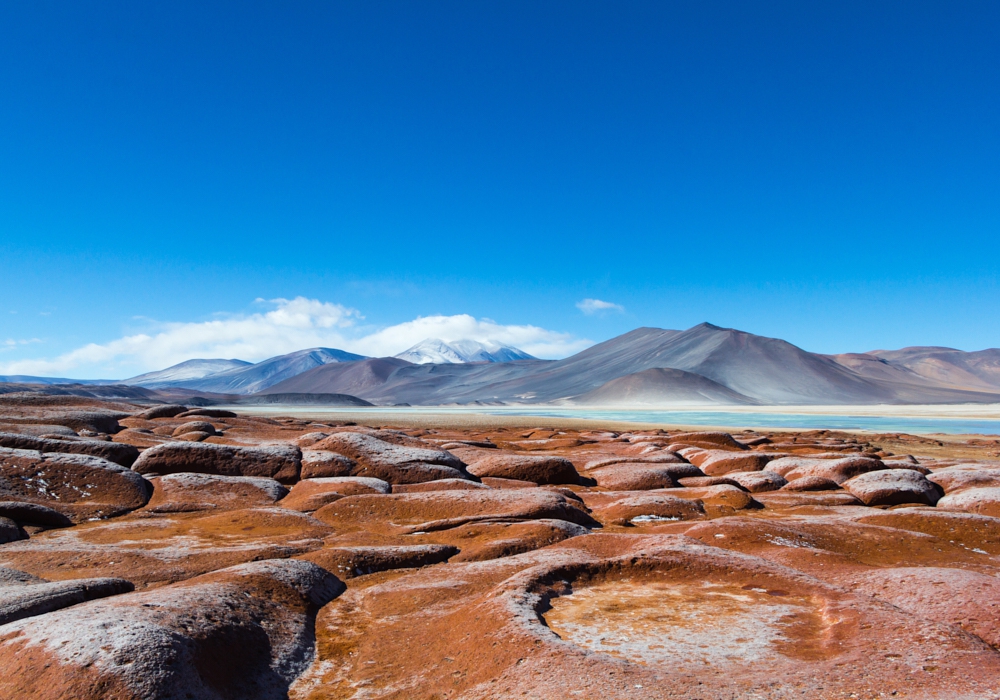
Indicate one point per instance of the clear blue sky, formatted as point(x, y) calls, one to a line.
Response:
point(824, 172)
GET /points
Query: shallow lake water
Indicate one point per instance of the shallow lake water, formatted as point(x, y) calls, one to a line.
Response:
point(948, 421)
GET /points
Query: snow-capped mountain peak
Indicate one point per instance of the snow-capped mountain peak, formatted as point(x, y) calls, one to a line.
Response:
point(437, 351)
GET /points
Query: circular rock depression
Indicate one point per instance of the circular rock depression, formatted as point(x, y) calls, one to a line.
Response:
point(662, 622)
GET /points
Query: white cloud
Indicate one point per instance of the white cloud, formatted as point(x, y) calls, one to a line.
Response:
point(532, 339)
point(293, 324)
point(593, 306)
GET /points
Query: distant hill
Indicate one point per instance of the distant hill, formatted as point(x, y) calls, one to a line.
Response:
point(250, 379)
point(28, 379)
point(962, 370)
point(437, 351)
point(301, 400)
point(185, 371)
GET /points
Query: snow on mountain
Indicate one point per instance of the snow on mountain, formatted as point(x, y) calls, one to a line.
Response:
point(250, 379)
point(437, 351)
point(185, 371)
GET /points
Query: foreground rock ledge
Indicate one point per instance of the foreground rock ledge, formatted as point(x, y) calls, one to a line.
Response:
point(245, 631)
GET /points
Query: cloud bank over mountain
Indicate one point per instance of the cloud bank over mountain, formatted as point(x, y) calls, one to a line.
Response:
point(290, 325)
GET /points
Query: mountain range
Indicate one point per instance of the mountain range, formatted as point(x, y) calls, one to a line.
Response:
point(704, 365)
point(708, 365)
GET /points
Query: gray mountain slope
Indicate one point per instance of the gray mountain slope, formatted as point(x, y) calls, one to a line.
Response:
point(361, 378)
point(255, 378)
point(661, 387)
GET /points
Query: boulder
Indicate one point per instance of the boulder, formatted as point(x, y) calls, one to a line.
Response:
point(241, 632)
point(50, 431)
point(890, 487)
point(396, 464)
point(96, 421)
point(811, 483)
point(661, 457)
point(722, 499)
point(758, 482)
point(440, 510)
point(709, 440)
point(349, 562)
point(281, 462)
point(118, 453)
point(539, 469)
point(956, 479)
point(839, 470)
point(785, 498)
point(23, 595)
point(10, 531)
point(312, 494)
point(164, 411)
point(719, 462)
point(323, 463)
point(632, 476)
point(195, 426)
point(207, 413)
point(697, 482)
point(493, 540)
point(394, 437)
point(33, 514)
point(982, 501)
point(496, 482)
point(184, 492)
point(440, 485)
point(310, 439)
point(194, 436)
point(79, 486)
point(649, 508)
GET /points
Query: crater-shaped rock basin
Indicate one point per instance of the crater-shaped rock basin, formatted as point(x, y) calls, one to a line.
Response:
point(692, 623)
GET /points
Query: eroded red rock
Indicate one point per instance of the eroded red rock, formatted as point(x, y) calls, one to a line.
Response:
point(79, 486)
point(396, 464)
point(182, 492)
point(238, 632)
point(280, 462)
point(890, 487)
point(539, 470)
point(312, 494)
point(492, 588)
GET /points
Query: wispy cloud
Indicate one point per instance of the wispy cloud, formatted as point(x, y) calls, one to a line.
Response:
point(11, 343)
point(593, 306)
point(291, 324)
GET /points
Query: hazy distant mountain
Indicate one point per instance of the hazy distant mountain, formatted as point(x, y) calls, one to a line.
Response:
point(753, 368)
point(978, 370)
point(437, 351)
point(184, 371)
point(250, 379)
point(27, 379)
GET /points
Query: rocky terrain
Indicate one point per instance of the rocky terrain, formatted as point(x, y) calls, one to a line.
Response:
point(176, 551)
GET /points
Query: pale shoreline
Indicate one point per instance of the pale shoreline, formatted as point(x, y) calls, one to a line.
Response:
point(521, 416)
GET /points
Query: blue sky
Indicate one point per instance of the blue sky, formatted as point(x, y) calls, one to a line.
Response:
point(820, 172)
